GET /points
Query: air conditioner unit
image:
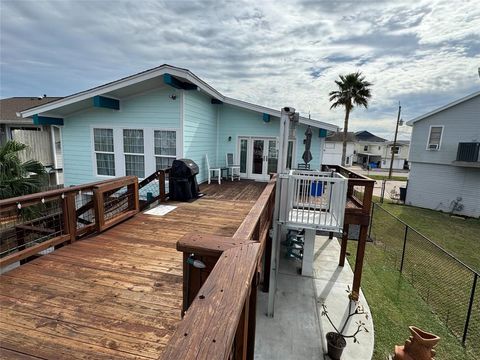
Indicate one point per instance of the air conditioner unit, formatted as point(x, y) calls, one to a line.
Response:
point(433, 147)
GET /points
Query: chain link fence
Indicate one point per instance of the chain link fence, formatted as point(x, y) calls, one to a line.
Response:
point(450, 288)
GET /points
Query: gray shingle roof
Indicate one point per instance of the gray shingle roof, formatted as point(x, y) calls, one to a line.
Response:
point(10, 106)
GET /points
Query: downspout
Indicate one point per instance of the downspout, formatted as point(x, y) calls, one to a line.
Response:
point(218, 134)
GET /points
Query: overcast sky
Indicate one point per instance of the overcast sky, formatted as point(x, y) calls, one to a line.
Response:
point(274, 53)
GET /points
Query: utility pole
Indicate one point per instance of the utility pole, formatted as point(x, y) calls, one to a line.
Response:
point(394, 142)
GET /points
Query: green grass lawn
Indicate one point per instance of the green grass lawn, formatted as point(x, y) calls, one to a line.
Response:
point(458, 236)
point(385, 177)
point(395, 305)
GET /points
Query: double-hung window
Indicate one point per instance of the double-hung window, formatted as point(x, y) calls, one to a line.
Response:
point(104, 152)
point(133, 149)
point(165, 148)
point(435, 137)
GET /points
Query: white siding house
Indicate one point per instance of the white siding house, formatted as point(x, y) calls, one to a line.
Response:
point(332, 151)
point(43, 141)
point(444, 158)
point(401, 155)
point(376, 152)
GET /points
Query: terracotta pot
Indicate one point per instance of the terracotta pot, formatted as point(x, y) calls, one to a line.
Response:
point(418, 347)
point(335, 345)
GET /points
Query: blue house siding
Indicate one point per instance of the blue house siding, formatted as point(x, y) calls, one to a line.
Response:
point(152, 109)
point(316, 147)
point(206, 129)
point(237, 122)
point(200, 131)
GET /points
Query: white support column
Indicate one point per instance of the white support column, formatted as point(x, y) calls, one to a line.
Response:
point(285, 119)
point(275, 256)
point(308, 252)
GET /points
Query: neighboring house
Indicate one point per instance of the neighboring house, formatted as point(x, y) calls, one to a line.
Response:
point(444, 158)
point(43, 141)
point(332, 150)
point(376, 151)
point(369, 149)
point(400, 160)
point(141, 123)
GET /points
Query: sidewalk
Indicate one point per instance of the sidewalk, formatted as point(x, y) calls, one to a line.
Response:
point(297, 330)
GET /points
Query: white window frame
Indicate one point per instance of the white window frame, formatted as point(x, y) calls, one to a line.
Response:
point(365, 146)
point(134, 154)
point(94, 153)
point(148, 148)
point(155, 156)
point(430, 134)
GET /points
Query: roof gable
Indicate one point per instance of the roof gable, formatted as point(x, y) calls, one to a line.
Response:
point(338, 137)
point(9, 107)
point(368, 136)
point(445, 107)
point(159, 71)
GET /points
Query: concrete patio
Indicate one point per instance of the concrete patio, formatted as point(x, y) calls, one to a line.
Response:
point(297, 330)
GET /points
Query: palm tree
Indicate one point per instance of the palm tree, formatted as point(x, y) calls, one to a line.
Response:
point(353, 90)
point(18, 178)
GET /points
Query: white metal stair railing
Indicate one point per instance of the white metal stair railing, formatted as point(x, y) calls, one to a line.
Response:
point(313, 199)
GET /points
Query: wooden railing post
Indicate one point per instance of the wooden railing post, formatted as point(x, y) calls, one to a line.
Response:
point(161, 185)
point(99, 208)
point(133, 198)
point(252, 318)
point(70, 215)
point(241, 337)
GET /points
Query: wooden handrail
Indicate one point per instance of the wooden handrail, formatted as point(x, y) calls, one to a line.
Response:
point(222, 312)
point(99, 191)
point(25, 200)
point(161, 176)
point(68, 216)
point(209, 327)
point(247, 229)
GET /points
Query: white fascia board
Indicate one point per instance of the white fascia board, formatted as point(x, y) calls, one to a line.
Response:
point(250, 106)
point(276, 113)
point(318, 124)
point(445, 107)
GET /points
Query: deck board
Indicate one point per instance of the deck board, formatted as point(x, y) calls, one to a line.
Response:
point(116, 295)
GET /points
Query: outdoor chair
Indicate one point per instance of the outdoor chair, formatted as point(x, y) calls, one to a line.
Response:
point(213, 171)
point(234, 170)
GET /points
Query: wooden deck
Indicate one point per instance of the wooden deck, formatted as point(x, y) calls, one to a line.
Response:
point(117, 295)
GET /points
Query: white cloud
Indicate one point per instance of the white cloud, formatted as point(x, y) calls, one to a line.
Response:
point(423, 53)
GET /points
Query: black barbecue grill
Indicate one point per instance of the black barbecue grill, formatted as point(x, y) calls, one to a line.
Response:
point(182, 180)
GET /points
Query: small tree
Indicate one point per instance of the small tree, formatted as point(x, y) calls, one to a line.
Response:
point(353, 90)
point(336, 339)
point(18, 178)
point(356, 310)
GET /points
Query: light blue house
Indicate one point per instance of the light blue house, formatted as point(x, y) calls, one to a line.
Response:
point(141, 123)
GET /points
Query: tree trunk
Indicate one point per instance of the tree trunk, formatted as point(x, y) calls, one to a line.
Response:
point(345, 131)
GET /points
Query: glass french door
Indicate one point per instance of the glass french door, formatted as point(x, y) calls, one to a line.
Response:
point(258, 157)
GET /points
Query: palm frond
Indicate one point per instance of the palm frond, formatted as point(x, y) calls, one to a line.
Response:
point(16, 177)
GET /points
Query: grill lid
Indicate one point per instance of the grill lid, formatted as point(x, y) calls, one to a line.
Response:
point(183, 168)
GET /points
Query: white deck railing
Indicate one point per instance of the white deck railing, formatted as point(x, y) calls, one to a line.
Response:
point(313, 199)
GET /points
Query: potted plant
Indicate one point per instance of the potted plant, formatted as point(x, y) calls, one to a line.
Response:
point(336, 339)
